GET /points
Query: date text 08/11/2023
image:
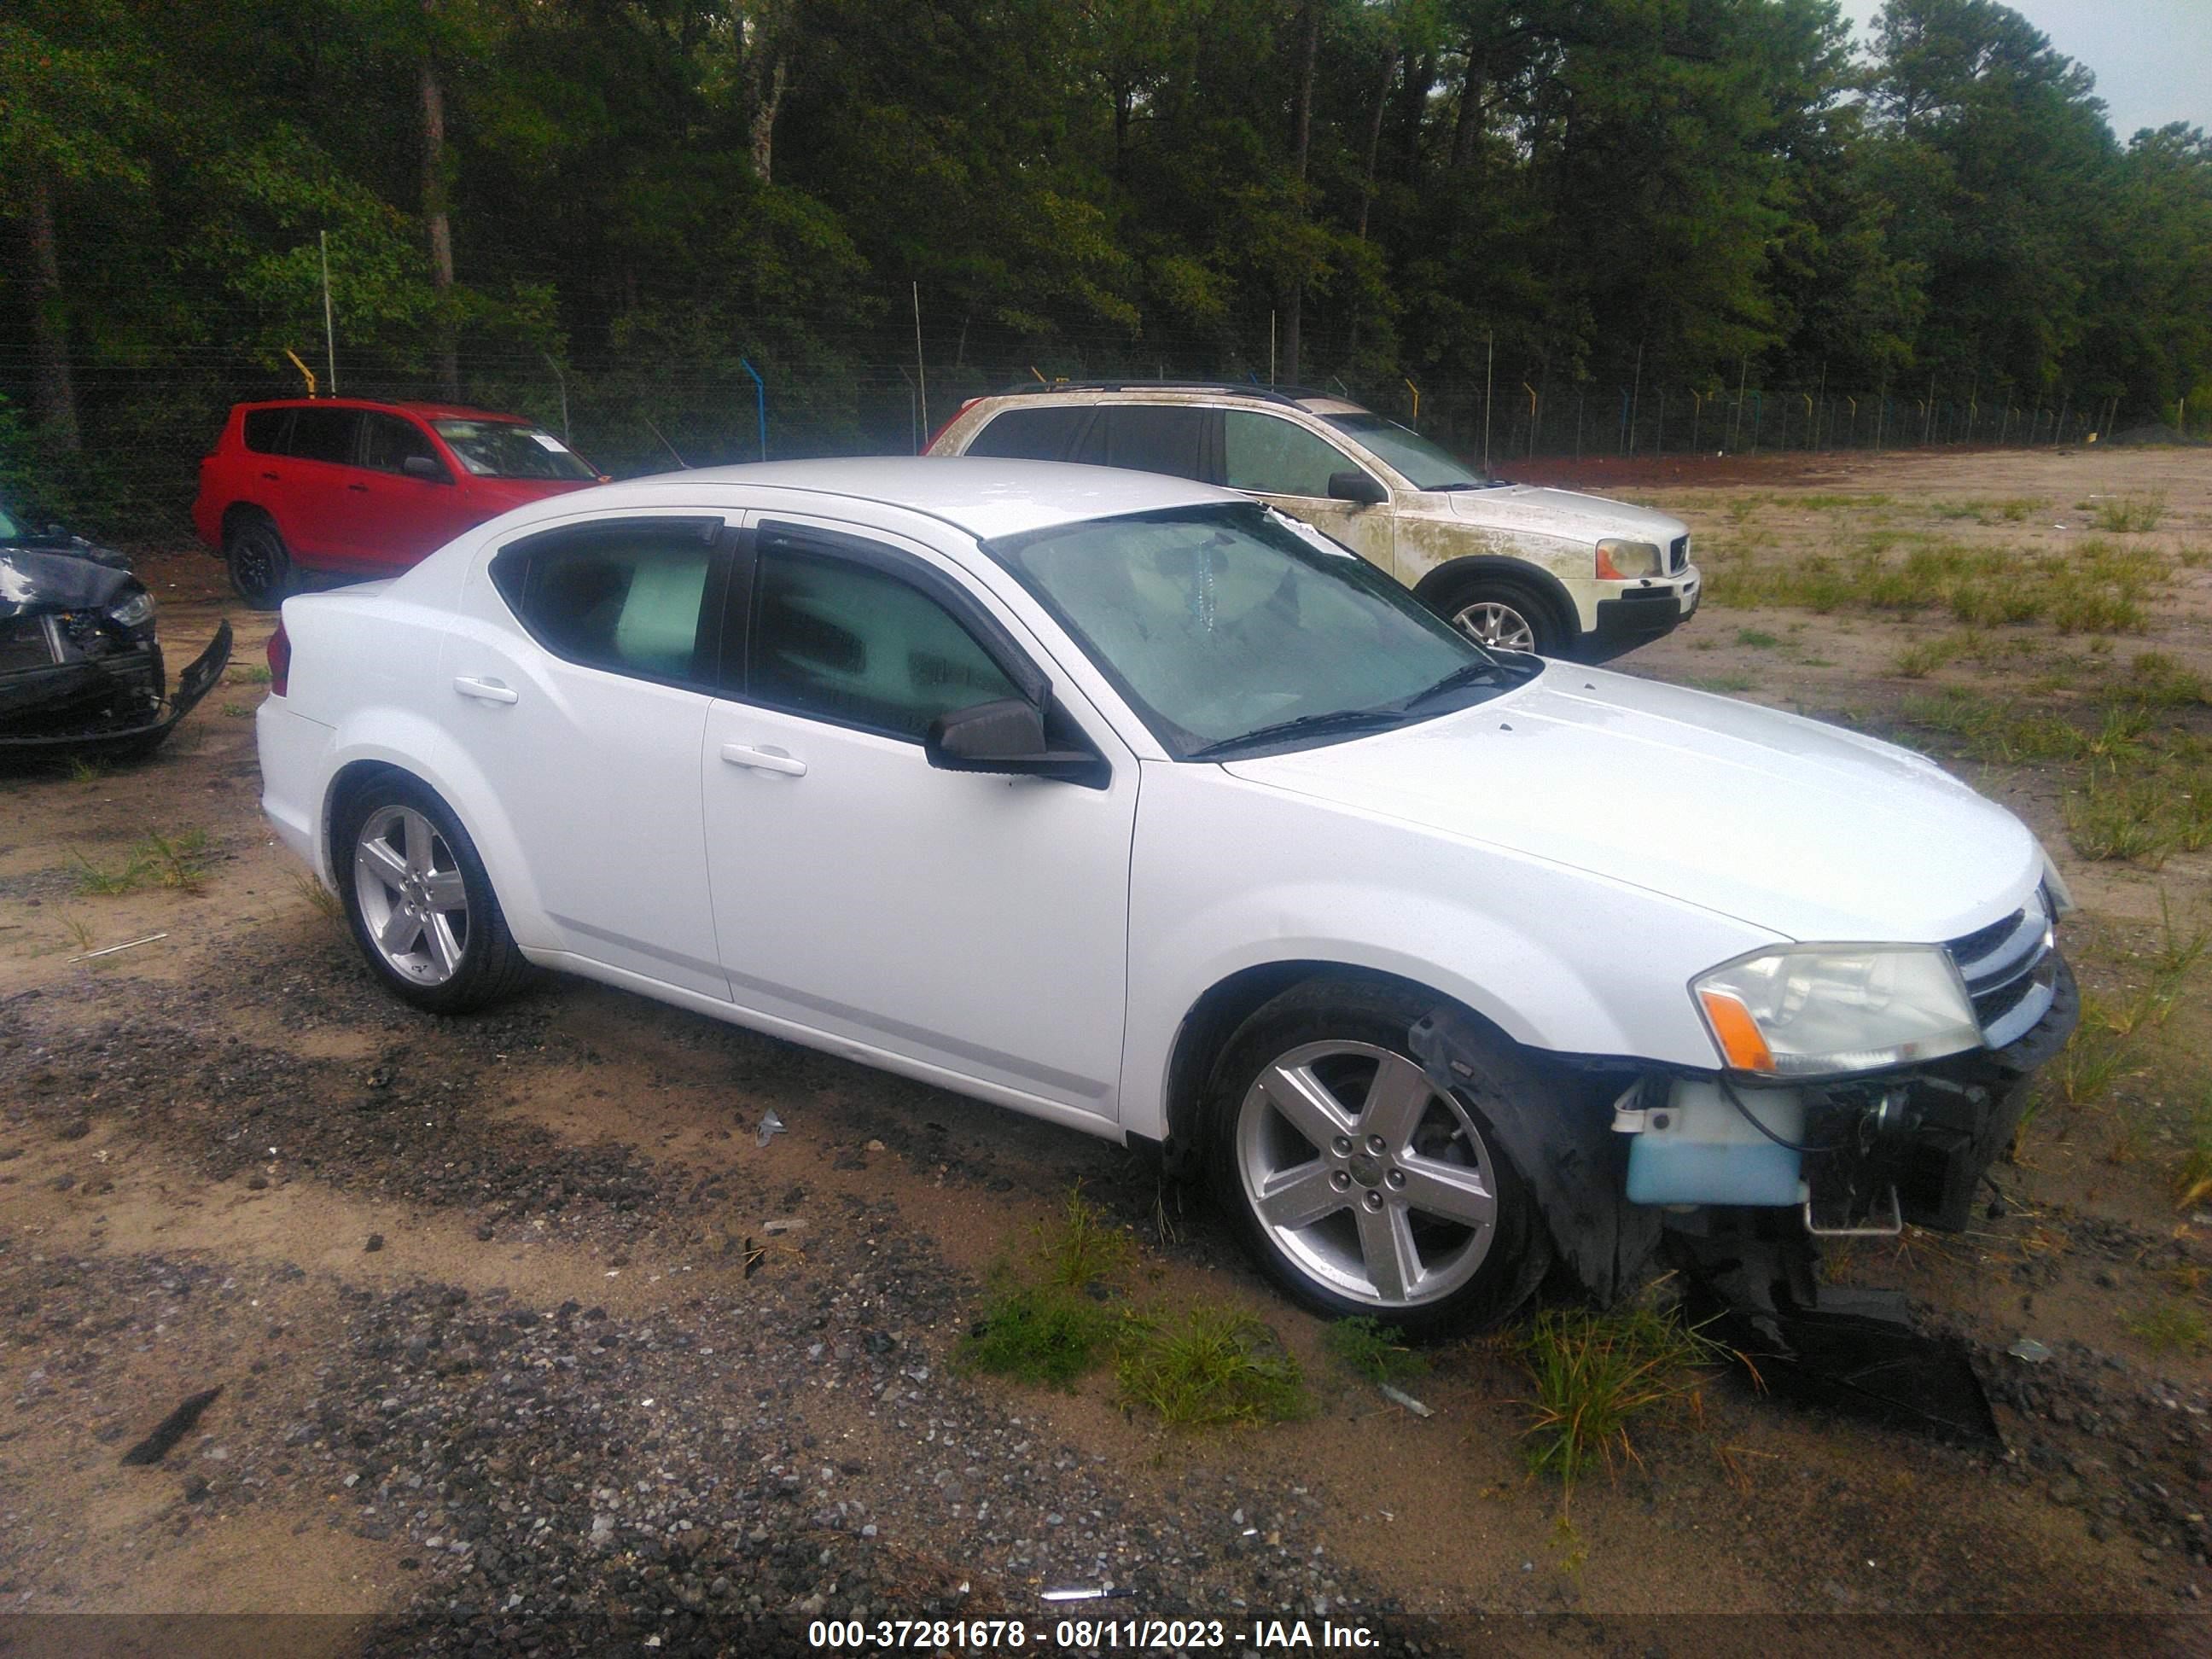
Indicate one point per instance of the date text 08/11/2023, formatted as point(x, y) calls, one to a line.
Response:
point(1128, 1635)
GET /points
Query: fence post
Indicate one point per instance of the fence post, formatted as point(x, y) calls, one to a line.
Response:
point(760, 404)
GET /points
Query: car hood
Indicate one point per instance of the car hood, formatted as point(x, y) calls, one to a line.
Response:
point(1801, 829)
point(1566, 513)
point(506, 492)
point(36, 581)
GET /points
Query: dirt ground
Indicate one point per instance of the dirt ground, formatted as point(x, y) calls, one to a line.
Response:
point(528, 1340)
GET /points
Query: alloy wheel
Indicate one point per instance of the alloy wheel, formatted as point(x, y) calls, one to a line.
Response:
point(1493, 621)
point(414, 903)
point(1374, 1183)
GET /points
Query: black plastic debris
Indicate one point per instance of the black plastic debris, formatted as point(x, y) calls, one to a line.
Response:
point(1836, 1348)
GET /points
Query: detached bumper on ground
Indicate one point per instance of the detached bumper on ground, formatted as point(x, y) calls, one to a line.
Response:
point(113, 705)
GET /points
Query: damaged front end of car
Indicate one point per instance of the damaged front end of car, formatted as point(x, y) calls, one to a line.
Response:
point(1733, 1176)
point(81, 668)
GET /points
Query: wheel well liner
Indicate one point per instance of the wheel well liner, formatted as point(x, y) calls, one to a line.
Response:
point(1540, 583)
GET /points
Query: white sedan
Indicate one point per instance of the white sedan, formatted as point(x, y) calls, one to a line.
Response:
point(1134, 805)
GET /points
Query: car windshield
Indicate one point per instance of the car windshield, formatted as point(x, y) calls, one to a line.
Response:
point(509, 449)
point(1234, 629)
point(1423, 463)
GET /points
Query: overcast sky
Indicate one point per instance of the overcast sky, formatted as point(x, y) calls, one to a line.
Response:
point(2153, 58)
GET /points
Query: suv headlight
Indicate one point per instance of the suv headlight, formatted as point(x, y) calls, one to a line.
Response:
point(134, 613)
point(1818, 1010)
point(1618, 561)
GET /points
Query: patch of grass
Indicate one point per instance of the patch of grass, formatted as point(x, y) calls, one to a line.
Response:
point(1758, 639)
point(1369, 1349)
point(2130, 515)
point(1596, 1374)
point(1083, 1248)
point(80, 931)
point(237, 711)
point(2171, 1328)
point(82, 770)
point(1042, 1334)
point(180, 863)
point(325, 902)
point(253, 673)
point(1916, 662)
point(1212, 1368)
point(1725, 684)
point(2155, 680)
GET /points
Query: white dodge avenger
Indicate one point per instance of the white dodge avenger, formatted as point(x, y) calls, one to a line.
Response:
point(1135, 804)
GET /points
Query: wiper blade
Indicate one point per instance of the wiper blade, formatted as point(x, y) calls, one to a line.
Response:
point(1474, 673)
point(1340, 720)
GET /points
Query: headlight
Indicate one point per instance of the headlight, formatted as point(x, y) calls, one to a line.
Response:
point(1812, 1010)
point(1618, 561)
point(134, 613)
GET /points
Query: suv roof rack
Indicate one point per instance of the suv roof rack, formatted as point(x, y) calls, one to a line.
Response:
point(1280, 394)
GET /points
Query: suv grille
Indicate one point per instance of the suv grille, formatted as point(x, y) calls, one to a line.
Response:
point(1678, 554)
point(2008, 969)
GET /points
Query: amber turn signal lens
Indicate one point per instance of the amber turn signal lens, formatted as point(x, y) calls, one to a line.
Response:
point(1737, 1032)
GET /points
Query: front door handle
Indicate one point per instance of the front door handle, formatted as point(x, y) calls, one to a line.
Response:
point(359, 490)
point(764, 760)
point(484, 690)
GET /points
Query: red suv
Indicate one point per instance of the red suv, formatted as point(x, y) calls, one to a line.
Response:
point(365, 490)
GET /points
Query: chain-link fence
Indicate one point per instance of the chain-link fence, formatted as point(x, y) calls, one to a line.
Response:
point(145, 423)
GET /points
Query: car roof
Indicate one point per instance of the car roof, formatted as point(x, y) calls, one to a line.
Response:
point(1179, 391)
point(425, 411)
point(985, 497)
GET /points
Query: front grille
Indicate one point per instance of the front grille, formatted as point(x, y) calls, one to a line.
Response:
point(1678, 554)
point(2009, 972)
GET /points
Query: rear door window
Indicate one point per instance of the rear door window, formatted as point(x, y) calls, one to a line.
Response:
point(1166, 438)
point(636, 597)
point(326, 435)
point(1031, 434)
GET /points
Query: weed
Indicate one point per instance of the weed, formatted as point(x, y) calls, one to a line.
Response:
point(2094, 1058)
point(1594, 1374)
point(2156, 680)
point(1372, 1351)
point(2112, 817)
point(312, 890)
point(2173, 1328)
point(1916, 662)
point(82, 770)
point(1758, 639)
point(253, 673)
point(1083, 1248)
point(1214, 1368)
point(1724, 683)
point(2130, 515)
point(182, 863)
point(78, 930)
point(2193, 1185)
point(94, 882)
point(237, 711)
point(1040, 1333)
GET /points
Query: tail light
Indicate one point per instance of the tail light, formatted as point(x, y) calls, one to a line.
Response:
point(940, 431)
point(280, 659)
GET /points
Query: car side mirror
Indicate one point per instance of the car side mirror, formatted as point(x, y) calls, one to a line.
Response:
point(1357, 487)
point(1008, 737)
point(424, 466)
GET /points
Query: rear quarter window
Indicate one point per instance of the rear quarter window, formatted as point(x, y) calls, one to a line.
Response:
point(1169, 438)
point(1030, 435)
point(265, 430)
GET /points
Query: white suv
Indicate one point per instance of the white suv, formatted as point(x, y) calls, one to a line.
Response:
point(1150, 811)
point(1550, 571)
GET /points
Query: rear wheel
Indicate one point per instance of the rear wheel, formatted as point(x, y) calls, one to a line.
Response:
point(1358, 1185)
point(260, 564)
point(419, 902)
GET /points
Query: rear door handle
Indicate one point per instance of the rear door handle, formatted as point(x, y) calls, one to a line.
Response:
point(271, 477)
point(363, 489)
point(764, 760)
point(484, 690)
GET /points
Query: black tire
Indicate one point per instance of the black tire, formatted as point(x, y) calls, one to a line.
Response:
point(260, 564)
point(1505, 1269)
point(1476, 602)
point(488, 964)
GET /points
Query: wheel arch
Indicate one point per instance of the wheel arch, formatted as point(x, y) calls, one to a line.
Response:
point(1532, 579)
point(1224, 1005)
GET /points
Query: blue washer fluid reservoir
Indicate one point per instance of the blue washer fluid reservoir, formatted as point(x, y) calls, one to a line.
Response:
point(1698, 1149)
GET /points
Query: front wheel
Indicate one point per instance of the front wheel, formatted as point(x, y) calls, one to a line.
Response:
point(1502, 614)
point(418, 901)
point(1358, 1186)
